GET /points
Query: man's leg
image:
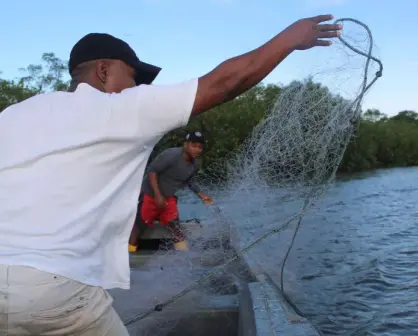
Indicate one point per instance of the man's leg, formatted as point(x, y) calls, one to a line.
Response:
point(145, 216)
point(180, 242)
point(170, 217)
point(133, 239)
point(135, 232)
point(41, 303)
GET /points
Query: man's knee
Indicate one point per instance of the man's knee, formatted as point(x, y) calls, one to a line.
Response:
point(109, 324)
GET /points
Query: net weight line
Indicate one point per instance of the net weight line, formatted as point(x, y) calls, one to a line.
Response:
point(356, 115)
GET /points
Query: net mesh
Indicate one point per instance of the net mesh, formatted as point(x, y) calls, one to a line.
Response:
point(283, 168)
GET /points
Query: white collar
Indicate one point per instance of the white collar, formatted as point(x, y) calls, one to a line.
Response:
point(85, 87)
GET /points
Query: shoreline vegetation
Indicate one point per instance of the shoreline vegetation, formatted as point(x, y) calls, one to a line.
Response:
point(380, 141)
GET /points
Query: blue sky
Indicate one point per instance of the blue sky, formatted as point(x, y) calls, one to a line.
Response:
point(188, 38)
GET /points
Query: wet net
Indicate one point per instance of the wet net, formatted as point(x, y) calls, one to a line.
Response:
point(287, 163)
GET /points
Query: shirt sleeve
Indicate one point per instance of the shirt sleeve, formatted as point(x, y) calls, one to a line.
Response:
point(152, 110)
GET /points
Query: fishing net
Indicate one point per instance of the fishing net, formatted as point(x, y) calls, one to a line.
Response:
point(283, 168)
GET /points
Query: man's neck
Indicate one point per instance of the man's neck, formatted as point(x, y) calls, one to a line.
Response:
point(187, 157)
point(73, 85)
point(75, 81)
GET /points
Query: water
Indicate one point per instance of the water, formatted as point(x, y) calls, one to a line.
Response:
point(354, 267)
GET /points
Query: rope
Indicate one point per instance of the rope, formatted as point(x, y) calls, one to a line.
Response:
point(356, 104)
point(369, 58)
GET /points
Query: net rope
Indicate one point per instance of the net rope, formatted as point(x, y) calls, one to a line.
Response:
point(297, 148)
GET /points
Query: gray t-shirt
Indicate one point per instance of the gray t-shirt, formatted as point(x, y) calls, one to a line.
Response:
point(173, 173)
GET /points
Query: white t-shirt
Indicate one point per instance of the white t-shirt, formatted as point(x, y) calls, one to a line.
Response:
point(71, 165)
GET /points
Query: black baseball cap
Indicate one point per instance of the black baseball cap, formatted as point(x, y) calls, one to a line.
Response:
point(195, 137)
point(96, 46)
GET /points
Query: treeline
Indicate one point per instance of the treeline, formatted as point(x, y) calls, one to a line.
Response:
point(383, 142)
point(379, 142)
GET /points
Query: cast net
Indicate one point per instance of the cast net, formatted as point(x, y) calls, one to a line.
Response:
point(287, 163)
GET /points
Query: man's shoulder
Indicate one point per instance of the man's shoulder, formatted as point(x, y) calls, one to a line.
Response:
point(54, 98)
point(41, 98)
point(173, 151)
point(35, 108)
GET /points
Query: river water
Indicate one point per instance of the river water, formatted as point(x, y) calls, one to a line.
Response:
point(354, 265)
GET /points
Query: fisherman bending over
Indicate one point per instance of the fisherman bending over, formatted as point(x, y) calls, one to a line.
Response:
point(171, 171)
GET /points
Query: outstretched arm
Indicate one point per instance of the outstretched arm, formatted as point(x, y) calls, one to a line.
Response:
point(150, 111)
point(195, 188)
point(236, 75)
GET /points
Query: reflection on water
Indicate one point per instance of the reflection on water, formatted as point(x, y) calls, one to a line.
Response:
point(354, 267)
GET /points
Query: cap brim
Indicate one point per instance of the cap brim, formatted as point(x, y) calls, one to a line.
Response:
point(195, 140)
point(145, 73)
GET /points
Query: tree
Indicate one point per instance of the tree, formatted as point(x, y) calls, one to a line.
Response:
point(49, 76)
point(373, 115)
point(12, 92)
point(407, 116)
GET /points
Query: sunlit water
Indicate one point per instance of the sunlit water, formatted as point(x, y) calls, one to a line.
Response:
point(354, 265)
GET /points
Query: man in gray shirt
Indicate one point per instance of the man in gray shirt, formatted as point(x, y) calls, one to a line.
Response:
point(172, 170)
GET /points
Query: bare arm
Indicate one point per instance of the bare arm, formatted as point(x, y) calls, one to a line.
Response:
point(151, 110)
point(236, 75)
point(153, 180)
point(193, 186)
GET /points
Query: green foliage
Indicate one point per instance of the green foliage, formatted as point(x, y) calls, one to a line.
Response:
point(407, 116)
point(48, 76)
point(384, 142)
point(374, 115)
point(12, 92)
point(40, 78)
point(379, 141)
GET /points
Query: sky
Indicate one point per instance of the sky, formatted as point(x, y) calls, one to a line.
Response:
point(188, 38)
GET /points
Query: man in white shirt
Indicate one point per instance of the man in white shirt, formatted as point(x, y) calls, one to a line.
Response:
point(70, 166)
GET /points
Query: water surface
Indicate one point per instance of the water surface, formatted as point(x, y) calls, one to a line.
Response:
point(353, 269)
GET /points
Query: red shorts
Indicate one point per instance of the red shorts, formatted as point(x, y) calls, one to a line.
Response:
point(151, 213)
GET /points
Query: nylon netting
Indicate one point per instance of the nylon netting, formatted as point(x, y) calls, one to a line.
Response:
point(262, 195)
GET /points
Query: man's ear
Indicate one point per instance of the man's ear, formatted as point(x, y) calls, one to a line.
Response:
point(102, 69)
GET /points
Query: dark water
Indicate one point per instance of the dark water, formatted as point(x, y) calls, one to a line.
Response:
point(355, 261)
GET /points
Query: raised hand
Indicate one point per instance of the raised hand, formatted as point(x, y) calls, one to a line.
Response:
point(307, 33)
